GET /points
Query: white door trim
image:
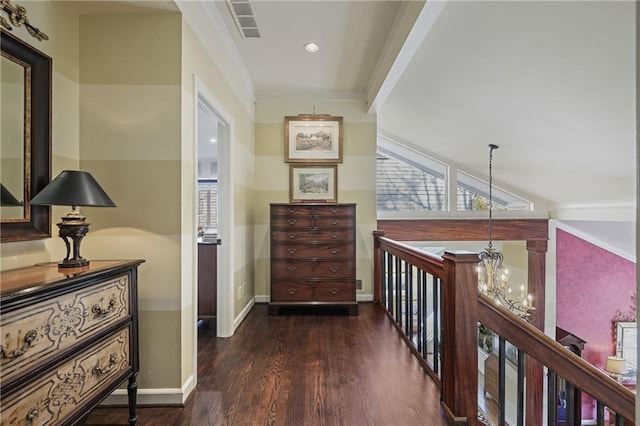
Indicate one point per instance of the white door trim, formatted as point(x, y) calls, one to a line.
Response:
point(224, 313)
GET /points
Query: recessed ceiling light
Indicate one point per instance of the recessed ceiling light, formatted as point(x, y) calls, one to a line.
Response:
point(311, 47)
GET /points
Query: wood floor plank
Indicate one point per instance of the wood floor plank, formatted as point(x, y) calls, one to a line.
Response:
point(302, 369)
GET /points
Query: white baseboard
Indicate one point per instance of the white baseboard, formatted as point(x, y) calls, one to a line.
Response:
point(364, 297)
point(160, 396)
point(238, 320)
point(262, 298)
point(360, 297)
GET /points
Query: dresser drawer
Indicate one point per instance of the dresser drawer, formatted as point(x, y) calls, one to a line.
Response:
point(334, 291)
point(291, 291)
point(34, 334)
point(313, 250)
point(57, 394)
point(312, 236)
point(292, 222)
point(291, 210)
point(330, 222)
point(312, 268)
point(312, 291)
point(334, 210)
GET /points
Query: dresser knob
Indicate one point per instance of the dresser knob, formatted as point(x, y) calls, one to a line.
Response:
point(291, 234)
point(29, 337)
point(98, 371)
point(292, 291)
point(291, 209)
point(291, 221)
point(333, 269)
point(334, 221)
point(32, 414)
point(334, 291)
point(334, 250)
point(334, 210)
point(334, 235)
point(292, 269)
point(292, 250)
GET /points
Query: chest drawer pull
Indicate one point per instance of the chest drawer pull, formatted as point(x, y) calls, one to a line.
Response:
point(292, 250)
point(334, 291)
point(334, 210)
point(333, 269)
point(292, 221)
point(292, 269)
point(98, 371)
point(291, 209)
point(334, 221)
point(99, 311)
point(32, 414)
point(292, 291)
point(291, 234)
point(334, 235)
point(29, 337)
point(334, 250)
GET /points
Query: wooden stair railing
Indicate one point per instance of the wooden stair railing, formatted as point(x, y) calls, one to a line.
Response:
point(462, 308)
point(554, 356)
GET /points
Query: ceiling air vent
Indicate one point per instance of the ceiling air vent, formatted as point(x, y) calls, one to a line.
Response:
point(243, 14)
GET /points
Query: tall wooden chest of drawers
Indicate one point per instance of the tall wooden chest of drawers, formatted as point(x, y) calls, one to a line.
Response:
point(69, 337)
point(313, 256)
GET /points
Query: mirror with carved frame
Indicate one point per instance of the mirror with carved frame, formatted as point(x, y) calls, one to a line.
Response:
point(25, 139)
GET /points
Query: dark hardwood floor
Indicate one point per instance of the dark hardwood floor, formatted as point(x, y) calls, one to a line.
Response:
point(301, 370)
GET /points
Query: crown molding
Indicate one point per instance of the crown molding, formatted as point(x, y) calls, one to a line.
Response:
point(284, 94)
point(208, 25)
point(606, 210)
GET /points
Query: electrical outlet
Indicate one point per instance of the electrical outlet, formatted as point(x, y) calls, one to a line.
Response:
point(358, 284)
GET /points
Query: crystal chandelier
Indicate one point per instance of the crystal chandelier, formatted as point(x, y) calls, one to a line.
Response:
point(493, 278)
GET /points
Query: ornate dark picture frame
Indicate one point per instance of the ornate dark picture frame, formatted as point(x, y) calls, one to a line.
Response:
point(37, 221)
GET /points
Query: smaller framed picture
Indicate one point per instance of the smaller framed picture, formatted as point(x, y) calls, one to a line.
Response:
point(309, 183)
point(313, 139)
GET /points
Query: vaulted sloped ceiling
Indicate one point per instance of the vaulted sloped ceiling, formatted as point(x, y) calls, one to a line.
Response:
point(551, 83)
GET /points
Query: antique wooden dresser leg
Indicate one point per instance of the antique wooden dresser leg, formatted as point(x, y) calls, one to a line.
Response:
point(132, 391)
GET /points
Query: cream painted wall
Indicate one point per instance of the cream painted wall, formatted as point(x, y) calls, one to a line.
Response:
point(130, 131)
point(60, 23)
point(356, 178)
point(123, 110)
point(196, 63)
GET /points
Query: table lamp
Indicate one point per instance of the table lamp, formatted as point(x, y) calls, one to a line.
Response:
point(7, 198)
point(74, 188)
point(617, 366)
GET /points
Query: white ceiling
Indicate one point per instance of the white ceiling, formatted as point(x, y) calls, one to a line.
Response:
point(351, 36)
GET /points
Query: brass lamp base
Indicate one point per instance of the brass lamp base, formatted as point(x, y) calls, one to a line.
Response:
point(74, 227)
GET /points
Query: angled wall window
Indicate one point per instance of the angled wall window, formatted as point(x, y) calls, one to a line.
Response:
point(473, 194)
point(407, 181)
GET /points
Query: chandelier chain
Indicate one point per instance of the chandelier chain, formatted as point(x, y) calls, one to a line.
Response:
point(492, 147)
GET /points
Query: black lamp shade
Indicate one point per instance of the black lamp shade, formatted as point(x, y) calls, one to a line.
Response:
point(73, 188)
point(7, 198)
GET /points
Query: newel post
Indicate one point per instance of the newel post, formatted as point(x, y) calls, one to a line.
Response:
point(459, 392)
point(537, 251)
point(377, 267)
